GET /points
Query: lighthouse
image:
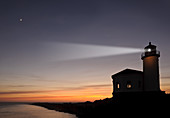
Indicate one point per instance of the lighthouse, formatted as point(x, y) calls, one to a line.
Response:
point(150, 58)
point(136, 81)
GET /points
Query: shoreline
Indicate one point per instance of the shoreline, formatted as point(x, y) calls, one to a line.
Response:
point(143, 105)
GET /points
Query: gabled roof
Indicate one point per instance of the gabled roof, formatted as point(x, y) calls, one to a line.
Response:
point(127, 71)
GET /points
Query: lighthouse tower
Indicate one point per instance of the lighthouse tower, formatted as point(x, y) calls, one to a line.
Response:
point(150, 59)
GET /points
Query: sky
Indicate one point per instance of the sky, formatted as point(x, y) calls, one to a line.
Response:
point(67, 50)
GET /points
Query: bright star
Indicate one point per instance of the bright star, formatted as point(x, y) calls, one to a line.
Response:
point(20, 19)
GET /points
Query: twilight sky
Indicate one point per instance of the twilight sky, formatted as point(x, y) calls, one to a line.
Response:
point(67, 50)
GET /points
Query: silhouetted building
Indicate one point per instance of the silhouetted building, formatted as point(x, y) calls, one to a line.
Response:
point(130, 80)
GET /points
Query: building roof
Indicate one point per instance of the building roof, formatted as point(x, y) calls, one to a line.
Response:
point(127, 71)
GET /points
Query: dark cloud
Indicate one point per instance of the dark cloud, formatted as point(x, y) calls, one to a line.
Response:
point(46, 91)
point(19, 86)
point(36, 97)
point(165, 77)
point(20, 92)
point(165, 84)
point(88, 86)
point(98, 86)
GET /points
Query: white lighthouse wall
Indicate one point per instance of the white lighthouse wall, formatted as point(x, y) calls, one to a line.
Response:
point(151, 73)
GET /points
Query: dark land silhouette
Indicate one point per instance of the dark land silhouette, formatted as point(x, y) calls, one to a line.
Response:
point(145, 104)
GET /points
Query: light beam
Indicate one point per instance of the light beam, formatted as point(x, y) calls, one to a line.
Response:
point(70, 51)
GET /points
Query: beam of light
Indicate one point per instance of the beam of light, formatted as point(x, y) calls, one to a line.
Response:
point(70, 51)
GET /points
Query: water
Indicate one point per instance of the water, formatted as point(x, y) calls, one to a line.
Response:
point(30, 111)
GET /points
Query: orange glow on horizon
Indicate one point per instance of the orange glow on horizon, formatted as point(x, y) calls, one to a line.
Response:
point(70, 94)
point(73, 95)
point(54, 98)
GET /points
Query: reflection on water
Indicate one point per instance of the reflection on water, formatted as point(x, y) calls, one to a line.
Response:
point(30, 111)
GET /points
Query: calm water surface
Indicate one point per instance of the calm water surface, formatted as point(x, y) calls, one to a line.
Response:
point(30, 111)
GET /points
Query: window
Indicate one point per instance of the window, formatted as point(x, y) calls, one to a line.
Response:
point(129, 85)
point(118, 85)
